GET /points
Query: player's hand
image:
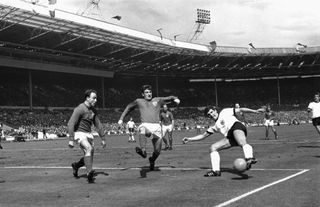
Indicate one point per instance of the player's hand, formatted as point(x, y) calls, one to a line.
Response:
point(177, 101)
point(261, 110)
point(120, 122)
point(185, 140)
point(103, 144)
point(71, 144)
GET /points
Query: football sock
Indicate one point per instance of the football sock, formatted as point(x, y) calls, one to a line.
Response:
point(248, 151)
point(170, 141)
point(165, 141)
point(215, 160)
point(143, 142)
point(80, 163)
point(88, 163)
point(154, 156)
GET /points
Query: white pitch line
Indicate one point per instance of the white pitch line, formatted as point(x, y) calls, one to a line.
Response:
point(139, 168)
point(260, 189)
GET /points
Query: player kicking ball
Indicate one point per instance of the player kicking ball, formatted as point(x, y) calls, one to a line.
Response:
point(234, 132)
point(149, 108)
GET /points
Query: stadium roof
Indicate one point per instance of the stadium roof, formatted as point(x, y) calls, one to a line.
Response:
point(28, 32)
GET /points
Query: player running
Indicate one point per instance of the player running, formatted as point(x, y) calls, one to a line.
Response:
point(234, 132)
point(131, 126)
point(314, 111)
point(149, 109)
point(167, 123)
point(79, 129)
point(269, 116)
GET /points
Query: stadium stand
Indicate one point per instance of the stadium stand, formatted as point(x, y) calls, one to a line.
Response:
point(47, 62)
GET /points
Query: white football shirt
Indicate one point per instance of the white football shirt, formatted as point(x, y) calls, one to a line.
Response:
point(224, 123)
point(315, 109)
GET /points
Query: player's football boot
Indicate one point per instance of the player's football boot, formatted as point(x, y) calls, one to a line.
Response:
point(75, 169)
point(212, 174)
point(251, 161)
point(170, 148)
point(140, 152)
point(90, 176)
point(1, 146)
point(151, 161)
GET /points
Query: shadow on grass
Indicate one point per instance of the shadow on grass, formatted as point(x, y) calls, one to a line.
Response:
point(96, 173)
point(242, 175)
point(308, 146)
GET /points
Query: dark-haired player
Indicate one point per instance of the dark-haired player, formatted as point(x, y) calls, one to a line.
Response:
point(234, 132)
point(269, 121)
point(167, 123)
point(149, 108)
point(79, 129)
point(314, 111)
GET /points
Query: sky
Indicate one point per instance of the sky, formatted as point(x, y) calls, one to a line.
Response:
point(265, 23)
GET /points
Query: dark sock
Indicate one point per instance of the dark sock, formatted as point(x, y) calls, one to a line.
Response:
point(170, 142)
point(80, 163)
point(155, 156)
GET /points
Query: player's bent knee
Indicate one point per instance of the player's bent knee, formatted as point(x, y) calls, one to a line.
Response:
point(212, 149)
point(88, 150)
point(145, 132)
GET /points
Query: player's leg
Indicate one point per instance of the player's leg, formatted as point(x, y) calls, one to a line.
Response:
point(132, 135)
point(164, 138)
point(144, 133)
point(274, 132)
point(88, 148)
point(241, 139)
point(215, 157)
point(170, 139)
point(76, 166)
point(157, 144)
point(267, 131)
point(317, 128)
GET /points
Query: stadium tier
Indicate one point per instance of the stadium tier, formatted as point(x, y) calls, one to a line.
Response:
point(47, 61)
point(72, 43)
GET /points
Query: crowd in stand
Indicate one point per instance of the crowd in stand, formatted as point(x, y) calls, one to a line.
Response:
point(53, 122)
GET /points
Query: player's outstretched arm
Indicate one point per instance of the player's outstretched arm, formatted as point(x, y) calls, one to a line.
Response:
point(199, 137)
point(168, 99)
point(247, 110)
point(129, 108)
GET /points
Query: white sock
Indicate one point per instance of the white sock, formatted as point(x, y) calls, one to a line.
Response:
point(215, 161)
point(248, 151)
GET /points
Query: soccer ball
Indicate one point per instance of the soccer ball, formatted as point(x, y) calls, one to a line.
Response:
point(240, 165)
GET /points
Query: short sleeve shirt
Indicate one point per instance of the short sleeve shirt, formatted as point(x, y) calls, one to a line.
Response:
point(224, 122)
point(315, 109)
